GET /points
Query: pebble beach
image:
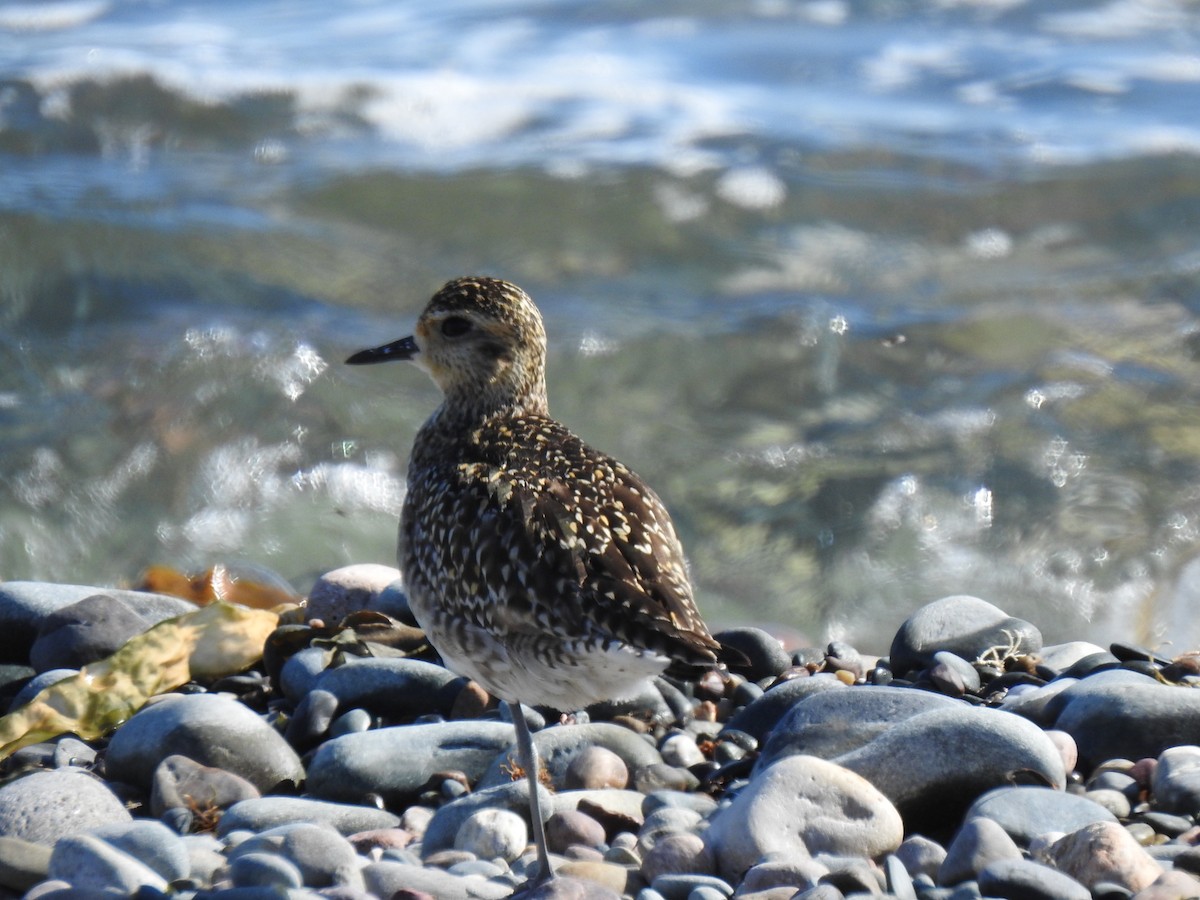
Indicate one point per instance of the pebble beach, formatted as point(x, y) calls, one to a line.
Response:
point(965, 760)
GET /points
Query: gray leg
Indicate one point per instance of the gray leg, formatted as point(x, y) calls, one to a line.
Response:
point(527, 756)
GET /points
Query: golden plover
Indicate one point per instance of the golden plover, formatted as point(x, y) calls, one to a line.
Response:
point(546, 571)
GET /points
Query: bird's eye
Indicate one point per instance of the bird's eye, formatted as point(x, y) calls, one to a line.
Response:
point(455, 326)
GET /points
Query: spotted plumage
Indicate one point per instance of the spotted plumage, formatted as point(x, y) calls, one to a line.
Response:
point(545, 570)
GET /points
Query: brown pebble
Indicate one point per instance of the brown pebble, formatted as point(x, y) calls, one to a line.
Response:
point(608, 875)
point(572, 827)
point(381, 838)
point(1104, 851)
point(471, 703)
point(444, 859)
point(594, 768)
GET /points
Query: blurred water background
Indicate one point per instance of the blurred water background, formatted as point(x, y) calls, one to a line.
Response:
point(889, 300)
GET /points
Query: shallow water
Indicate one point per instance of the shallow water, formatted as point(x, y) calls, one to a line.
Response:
point(887, 301)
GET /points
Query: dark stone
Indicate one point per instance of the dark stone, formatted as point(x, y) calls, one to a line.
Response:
point(964, 625)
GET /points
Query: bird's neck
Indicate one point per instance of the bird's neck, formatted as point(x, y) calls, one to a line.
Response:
point(464, 413)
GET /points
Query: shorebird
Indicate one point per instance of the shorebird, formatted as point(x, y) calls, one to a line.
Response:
point(544, 570)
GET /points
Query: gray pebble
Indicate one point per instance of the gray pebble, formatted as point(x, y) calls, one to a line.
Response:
point(322, 855)
point(1061, 657)
point(25, 604)
point(676, 854)
point(385, 878)
point(572, 827)
point(1176, 780)
point(964, 625)
point(392, 687)
point(921, 856)
point(1026, 812)
point(45, 806)
point(761, 654)
point(963, 752)
point(354, 721)
point(514, 796)
point(86, 861)
point(22, 863)
point(1128, 719)
point(264, 870)
point(978, 842)
point(759, 717)
point(831, 723)
point(398, 762)
point(149, 842)
point(182, 782)
point(1023, 879)
point(312, 718)
point(681, 750)
point(86, 631)
point(299, 674)
point(680, 886)
point(268, 812)
point(966, 672)
point(211, 729)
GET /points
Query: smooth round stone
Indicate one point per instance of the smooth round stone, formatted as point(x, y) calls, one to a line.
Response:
point(802, 805)
point(300, 672)
point(182, 782)
point(86, 631)
point(666, 821)
point(572, 827)
point(661, 777)
point(25, 604)
point(921, 856)
point(349, 589)
point(45, 806)
point(320, 853)
point(1176, 780)
point(557, 748)
point(774, 872)
point(1130, 720)
point(965, 626)
point(398, 762)
point(39, 683)
point(1171, 885)
point(354, 721)
point(966, 672)
point(1114, 801)
point(649, 705)
point(959, 754)
point(269, 812)
point(1092, 663)
point(761, 716)
point(1023, 879)
point(446, 822)
point(831, 723)
point(312, 718)
point(264, 870)
point(87, 861)
point(1039, 705)
point(978, 842)
point(1067, 748)
point(681, 750)
point(386, 878)
point(1104, 852)
point(762, 654)
point(1076, 688)
point(150, 843)
point(1027, 812)
point(392, 687)
point(208, 728)
point(700, 803)
point(676, 854)
point(493, 834)
point(69, 751)
point(616, 810)
point(594, 768)
point(22, 863)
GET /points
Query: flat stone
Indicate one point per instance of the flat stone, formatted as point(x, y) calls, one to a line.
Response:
point(386, 878)
point(88, 861)
point(965, 626)
point(558, 746)
point(1027, 812)
point(1130, 720)
point(268, 870)
point(24, 604)
point(392, 687)
point(1023, 879)
point(46, 806)
point(151, 843)
point(831, 723)
point(210, 729)
point(801, 806)
point(950, 757)
point(570, 827)
point(1060, 657)
point(1104, 852)
point(978, 842)
point(322, 855)
point(921, 856)
point(269, 812)
point(760, 716)
point(398, 762)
